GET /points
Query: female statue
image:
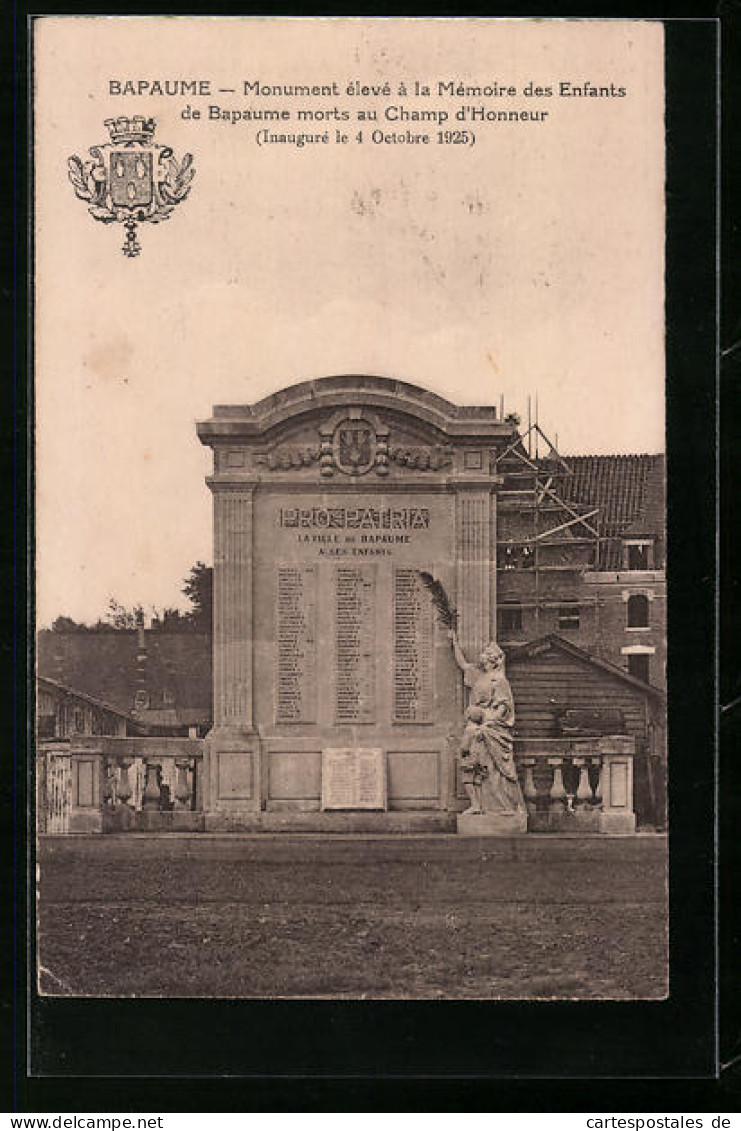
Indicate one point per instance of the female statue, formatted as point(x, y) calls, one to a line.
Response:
point(486, 751)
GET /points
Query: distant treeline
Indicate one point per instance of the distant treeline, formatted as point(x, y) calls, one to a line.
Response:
point(197, 587)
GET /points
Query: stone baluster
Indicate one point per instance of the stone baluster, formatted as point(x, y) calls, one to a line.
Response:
point(557, 793)
point(124, 790)
point(570, 780)
point(529, 790)
point(151, 794)
point(583, 795)
point(109, 782)
point(182, 785)
point(168, 782)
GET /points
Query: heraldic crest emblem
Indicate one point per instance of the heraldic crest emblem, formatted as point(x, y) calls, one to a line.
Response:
point(131, 180)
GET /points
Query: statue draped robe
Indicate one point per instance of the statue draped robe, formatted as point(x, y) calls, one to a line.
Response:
point(488, 743)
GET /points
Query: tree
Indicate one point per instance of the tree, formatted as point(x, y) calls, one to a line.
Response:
point(121, 618)
point(67, 624)
point(170, 619)
point(198, 587)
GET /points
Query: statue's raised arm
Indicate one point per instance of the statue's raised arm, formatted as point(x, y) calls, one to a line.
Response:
point(458, 652)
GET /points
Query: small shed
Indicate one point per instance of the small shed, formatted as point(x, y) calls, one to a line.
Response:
point(559, 689)
point(64, 712)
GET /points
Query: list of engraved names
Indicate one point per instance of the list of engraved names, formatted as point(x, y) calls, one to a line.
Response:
point(413, 642)
point(355, 620)
point(296, 644)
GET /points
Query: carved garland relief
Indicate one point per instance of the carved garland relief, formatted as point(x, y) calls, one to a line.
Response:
point(354, 442)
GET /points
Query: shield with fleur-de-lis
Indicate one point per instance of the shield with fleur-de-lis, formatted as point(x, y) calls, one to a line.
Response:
point(354, 447)
point(131, 180)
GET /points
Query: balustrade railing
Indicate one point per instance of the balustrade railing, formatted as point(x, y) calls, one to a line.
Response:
point(578, 784)
point(121, 784)
point(149, 784)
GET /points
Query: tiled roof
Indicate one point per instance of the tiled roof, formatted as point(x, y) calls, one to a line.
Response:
point(629, 490)
point(176, 672)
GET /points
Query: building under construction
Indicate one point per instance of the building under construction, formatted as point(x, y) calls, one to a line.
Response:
point(581, 552)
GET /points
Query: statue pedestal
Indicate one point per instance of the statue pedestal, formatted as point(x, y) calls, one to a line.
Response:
point(492, 824)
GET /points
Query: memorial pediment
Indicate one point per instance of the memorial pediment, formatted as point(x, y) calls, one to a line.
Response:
point(353, 428)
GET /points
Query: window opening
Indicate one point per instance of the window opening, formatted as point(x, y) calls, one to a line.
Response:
point(568, 615)
point(638, 556)
point(510, 617)
point(638, 611)
point(638, 665)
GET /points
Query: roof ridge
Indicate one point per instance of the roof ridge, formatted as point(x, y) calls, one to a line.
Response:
point(614, 455)
point(597, 661)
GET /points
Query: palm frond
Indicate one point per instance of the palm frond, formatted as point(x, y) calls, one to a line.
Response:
point(446, 612)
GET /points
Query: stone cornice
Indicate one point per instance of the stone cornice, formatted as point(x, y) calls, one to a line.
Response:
point(234, 423)
point(219, 485)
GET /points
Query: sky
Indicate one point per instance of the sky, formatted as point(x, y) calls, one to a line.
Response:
point(530, 261)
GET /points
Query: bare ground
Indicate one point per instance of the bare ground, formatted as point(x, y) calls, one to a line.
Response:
point(353, 917)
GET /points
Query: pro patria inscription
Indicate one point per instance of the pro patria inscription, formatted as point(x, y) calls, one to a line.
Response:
point(353, 778)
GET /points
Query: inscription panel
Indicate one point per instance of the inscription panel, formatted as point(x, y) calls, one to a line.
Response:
point(353, 778)
point(413, 692)
point(618, 785)
point(296, 644)
point(355, 612)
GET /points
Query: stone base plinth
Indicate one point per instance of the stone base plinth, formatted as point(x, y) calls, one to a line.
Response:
point(295, 821)
point(492, 824)
point(231, 773)
point(618, 824)
point(584, 820)
point(121, 819)
point(85, 821)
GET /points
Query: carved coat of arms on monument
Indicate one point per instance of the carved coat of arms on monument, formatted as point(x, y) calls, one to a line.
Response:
point(131, 180)
point(355, 443)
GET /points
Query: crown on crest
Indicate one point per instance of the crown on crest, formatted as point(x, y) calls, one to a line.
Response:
point(137, 128)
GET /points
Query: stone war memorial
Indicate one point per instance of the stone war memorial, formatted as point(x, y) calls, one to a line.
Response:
point(357, 682)
point(365, 532)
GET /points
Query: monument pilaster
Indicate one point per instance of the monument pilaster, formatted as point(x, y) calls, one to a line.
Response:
point(475, 510)
point(232, 772)
point(233, 605)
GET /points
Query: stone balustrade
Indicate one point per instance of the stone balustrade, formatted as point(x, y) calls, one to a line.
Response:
point(578, 785)
point(154, 785)
point(121, 784)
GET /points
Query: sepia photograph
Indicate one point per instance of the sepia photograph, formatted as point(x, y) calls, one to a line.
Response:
point(350, 649)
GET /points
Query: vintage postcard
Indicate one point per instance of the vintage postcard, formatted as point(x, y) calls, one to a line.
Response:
point(350, 364)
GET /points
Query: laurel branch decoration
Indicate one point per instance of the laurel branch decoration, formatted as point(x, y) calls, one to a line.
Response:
point(90, 184)
point(176, 185)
